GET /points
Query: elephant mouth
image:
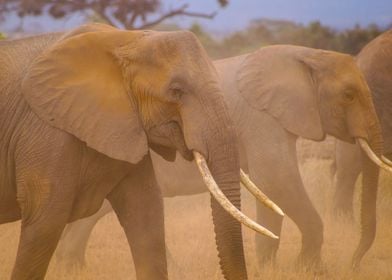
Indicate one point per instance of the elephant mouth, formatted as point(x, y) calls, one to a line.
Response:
point(344, 135)
point(351, 140)
point(166, 139)
point(225, 203)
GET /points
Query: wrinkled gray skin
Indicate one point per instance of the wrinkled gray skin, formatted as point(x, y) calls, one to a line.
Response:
point(275, 95)
point(375, 61)
point(78, 112)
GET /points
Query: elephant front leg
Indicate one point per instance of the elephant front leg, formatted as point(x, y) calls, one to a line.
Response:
point(273, 166)
point(348, 168)
point(137, 201)
point(46, 206)
point(47, 169)
point(266, 247)
point(37, 243)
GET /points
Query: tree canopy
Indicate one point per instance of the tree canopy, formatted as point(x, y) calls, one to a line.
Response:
point(263, 32)
point(129, 14)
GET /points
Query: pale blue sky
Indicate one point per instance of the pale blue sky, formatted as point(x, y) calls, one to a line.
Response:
point(335, 13)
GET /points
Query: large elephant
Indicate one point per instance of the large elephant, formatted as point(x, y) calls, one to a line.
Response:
point(78, 113)
point(375, 61)
point(275, 95)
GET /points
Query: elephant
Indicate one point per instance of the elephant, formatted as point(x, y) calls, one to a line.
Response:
point(308, 150)
point(79, 112)
point(375, 61)
point(275, 95)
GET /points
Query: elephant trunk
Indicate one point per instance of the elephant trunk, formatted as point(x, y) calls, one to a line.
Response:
point(223, 162)
point(228, 234)
point(212, 138)
point(369, 196)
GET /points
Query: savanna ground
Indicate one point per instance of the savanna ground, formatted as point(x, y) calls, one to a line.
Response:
point(191, 242)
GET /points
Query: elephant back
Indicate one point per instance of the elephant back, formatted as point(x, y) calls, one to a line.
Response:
point(17, 55)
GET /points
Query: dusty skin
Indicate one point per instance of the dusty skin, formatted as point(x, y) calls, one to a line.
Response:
point(305, 93)
point(375, 60)
point(78, 112)
point(193, 254)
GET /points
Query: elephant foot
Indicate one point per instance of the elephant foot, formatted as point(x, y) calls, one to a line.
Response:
point(317, 269)
point(266, 257)
point(75, 265)
point(71, 263)
point(70, 258)
point(344, 212)
point(311, 263)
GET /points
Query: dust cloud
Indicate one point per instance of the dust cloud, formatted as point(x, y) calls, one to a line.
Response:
point(192, 254)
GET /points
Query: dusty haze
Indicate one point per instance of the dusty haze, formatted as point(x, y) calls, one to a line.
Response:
point(191, 243)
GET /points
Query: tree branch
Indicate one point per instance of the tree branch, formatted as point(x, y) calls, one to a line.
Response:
point(115, 12)
point(101, 12)
point(129, 24)
point(6, 9)
point(177, 12)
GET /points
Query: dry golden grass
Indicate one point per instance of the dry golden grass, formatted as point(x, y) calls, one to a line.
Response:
point(191, 242)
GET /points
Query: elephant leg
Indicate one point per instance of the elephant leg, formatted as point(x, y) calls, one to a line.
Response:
point(137, 201)
point(273, 165)
point(46, 201)
point(37, 244)
point(348, 167)
point(266, 248)
point(304, 215)
point(73, 244)
point(284, 186)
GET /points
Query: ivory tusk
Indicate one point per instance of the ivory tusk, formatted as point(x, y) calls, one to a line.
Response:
point(224, 201)
point(365, 147)
point(253, 189)
point(386, 160)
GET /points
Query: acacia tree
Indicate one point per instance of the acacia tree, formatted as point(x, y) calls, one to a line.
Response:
point(129, 14)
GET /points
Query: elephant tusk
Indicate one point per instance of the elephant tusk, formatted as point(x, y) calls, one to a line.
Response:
point(224, 201)
point(386, 160)
point(369, 152)
point(253, 189)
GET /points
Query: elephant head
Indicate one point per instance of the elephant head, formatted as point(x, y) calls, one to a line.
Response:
point(375, 61)
point(122, 92)
point(319, 92)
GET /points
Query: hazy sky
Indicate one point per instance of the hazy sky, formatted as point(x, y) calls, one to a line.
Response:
point(335, 13)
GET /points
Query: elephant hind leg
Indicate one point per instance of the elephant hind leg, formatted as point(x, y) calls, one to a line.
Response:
point(73, 244)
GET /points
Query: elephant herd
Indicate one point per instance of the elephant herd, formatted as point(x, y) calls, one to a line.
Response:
point(98, 118)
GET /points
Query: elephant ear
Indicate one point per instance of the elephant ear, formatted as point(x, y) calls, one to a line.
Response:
point(78, 86)
point(279, 81)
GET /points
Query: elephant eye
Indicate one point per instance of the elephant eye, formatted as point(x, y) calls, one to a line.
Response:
point(348, 96)
point(176, 94)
